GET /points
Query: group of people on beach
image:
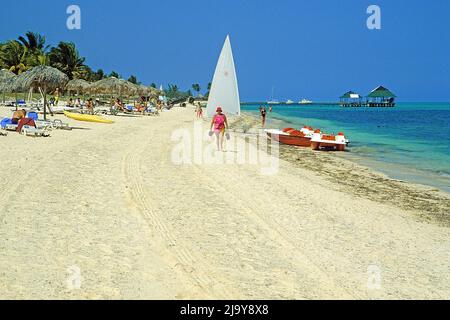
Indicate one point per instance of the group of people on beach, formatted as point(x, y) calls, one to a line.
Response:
point(118, 105)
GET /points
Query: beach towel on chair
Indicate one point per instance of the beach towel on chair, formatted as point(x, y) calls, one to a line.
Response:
point(25, 122)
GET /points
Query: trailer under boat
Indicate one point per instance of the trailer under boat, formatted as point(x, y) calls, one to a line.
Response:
point(308, 137)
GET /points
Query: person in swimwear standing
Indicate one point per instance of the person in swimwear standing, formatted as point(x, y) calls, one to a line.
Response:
point(263, 112)
point(219, 123)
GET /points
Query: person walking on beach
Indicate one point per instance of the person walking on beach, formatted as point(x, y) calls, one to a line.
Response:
point(199, 111)
point(263, 116)
point(219, 123)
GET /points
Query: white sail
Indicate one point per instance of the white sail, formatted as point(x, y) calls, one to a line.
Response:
point(224, 88)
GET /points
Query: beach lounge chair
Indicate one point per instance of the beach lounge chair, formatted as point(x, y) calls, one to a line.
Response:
point(151, 111)
point(34, 132)
point(33, 115)
point(3, 132)
point(9, 103)
point(58, 124)
point(21, 104)
point(50, 125)
point(132, 110)
point(41, 124)
point(6, 124)
point(27, 126)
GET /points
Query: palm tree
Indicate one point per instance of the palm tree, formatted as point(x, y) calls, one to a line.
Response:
point(173, 88)
point(34, 60)
point(92, 76)
point(37, 50)
point(34, 42)
point(114, 74)
point(209, 89)
point(66, 58)
point(1, 62)
point(196, 88)
point(13, 56)
point(100, 74)
point(133, 79)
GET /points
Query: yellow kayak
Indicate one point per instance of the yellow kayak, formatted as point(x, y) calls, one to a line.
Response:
point(86, 117)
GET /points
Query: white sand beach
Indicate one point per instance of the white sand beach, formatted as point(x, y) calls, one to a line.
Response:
point(106, 204)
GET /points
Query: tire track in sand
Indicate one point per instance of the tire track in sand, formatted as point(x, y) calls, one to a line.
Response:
point(212, 287)
point(324, 281)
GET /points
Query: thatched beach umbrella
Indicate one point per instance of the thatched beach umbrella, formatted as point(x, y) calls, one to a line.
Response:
point(44, 78)
point(155, 92)
point(130, 88)
point(142, 90)
point(6, 74)
point(112, 85)
point(6, 78)
point(78, 85)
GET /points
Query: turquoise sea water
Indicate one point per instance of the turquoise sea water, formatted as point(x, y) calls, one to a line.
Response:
point(409, 142)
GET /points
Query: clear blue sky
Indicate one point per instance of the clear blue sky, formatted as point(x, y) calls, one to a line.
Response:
point(305, 49)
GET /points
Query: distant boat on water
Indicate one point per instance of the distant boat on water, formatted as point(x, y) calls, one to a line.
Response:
point(272, 100)
point(224, 88)
point(305, 101)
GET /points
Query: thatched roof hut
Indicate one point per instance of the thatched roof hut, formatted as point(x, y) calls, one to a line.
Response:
point(6, 79)
point(6, 74)
point(381, 97)
point(78, 85)
point(44, 78)
point(381, 92)
point(155, 92)
point(112, 85)
point(143, 90)
point(147, 91)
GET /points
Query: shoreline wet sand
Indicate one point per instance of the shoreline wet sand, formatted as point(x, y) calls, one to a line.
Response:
point(428, 203)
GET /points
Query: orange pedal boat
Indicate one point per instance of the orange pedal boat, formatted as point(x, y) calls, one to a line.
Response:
point(327, 141)
point(291, 136)
point(307, 137)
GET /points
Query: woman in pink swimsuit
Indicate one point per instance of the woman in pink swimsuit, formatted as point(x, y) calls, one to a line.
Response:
point(219, 123)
